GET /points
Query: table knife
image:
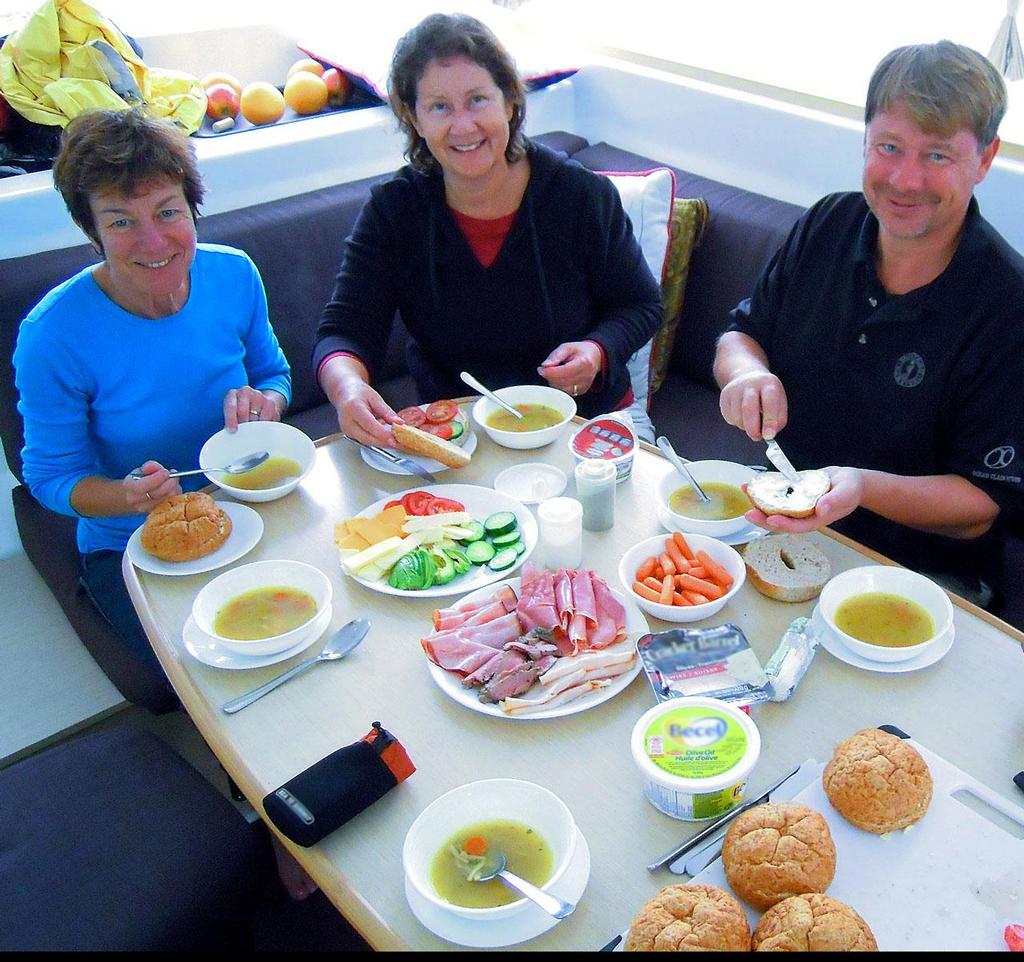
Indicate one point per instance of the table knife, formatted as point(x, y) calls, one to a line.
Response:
point(411, 466)
point(780, 461)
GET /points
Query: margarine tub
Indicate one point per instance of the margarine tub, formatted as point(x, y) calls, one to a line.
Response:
point(694, 755)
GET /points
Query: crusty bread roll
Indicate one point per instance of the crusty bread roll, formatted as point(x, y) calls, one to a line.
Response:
point(776, 850)
point(774, 493)
point(427, 445)
point(877, 781)
point(786, 567)
point(693, 917)
point(812, 923)
point(185, 527)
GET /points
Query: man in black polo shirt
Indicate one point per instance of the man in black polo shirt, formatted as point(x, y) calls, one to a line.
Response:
point(887, 334)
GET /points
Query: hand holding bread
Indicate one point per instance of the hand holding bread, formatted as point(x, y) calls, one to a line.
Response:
point(822, 497)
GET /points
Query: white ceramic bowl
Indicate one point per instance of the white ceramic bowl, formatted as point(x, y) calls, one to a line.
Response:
point(897, 581)
point(260, 574)
point(490, 800)
point(727, 557)
point(525, 394)
point(281, 440)
point(725, 472)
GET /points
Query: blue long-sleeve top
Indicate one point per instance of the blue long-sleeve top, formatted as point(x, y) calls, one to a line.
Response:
point(103, 390)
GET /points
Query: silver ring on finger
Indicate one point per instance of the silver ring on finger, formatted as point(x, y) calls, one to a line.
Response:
point(253, 413)
point(148, 495)
point(574, 390)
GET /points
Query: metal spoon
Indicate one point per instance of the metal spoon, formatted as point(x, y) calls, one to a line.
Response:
point(247, 463)
point(344, 640)
point(476, 385)
point(551, 904)
point(670, 453)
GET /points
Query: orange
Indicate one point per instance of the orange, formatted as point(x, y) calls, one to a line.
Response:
point(262, 103)
point(306, 64)
point(305, 93)
point(220, 77)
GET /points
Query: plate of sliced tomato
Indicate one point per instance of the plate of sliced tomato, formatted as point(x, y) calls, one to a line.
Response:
point(443, 418)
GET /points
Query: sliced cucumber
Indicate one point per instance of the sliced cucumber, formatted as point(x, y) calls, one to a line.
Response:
point(501, 522)
point(457, 429)
point(503, 540)
point(503, 559)
point(479, 552)
point(519, 546)
point(475, 529)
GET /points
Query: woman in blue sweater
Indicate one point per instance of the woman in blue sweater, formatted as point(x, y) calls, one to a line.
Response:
point(134, 362)
point(504, 258)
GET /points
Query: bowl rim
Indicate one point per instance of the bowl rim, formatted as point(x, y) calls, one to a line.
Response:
point(732, 525)
point(509, 908)
point(289, 484)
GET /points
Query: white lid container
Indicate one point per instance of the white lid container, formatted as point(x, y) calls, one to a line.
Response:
point(694, 755)
point(531, 482)
point(608, 437)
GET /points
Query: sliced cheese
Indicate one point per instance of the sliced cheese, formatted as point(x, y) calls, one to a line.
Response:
point(436, 520)
point(372, 555)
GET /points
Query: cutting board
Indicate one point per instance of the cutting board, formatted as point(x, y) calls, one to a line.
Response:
point(953, 881)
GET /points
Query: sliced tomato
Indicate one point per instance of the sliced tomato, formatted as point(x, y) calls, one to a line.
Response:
point(393, 504)
point(1014, 936)
point(443, 431)
point(444, 506)
point(440, 412)
point(413, 416)
point(417, 502)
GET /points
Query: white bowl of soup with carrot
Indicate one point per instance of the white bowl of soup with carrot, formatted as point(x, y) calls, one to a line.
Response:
point(722, 482)
point(546, 413)
point(885, 613)
point(292, 456)
point(456, 838)
point(262, 608)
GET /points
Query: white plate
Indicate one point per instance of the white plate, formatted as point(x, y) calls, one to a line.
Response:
point(383, 464)
point(540, 480)
point(834, 646)
point(745, 535)
point(480, 502)
point(211, 652)
point(246, 531)
point(451, 683)
point(495, 933)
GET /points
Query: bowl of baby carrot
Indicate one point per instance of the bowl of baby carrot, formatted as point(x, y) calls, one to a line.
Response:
point(681, 577)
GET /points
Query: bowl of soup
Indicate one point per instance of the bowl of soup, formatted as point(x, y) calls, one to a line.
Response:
point(292, 456)
point(725, 514)
point(262, 608)
point(885, 613)
point(456, 836)
point(546, 413)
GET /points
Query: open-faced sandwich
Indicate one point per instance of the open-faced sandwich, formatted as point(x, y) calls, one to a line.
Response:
point(436, 431)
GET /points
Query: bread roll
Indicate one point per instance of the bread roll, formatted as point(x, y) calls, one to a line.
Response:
point(813, 923)
point(427, 445)
point(185, 527)
point(692, 917)
point(786, 567)
point(877, 781)
point(774, 493)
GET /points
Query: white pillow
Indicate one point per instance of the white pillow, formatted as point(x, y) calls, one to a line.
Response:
point(647, 199)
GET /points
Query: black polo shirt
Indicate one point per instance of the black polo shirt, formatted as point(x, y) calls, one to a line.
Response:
point(929, 382)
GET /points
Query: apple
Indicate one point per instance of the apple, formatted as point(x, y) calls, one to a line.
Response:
point(339, 87)
point(6, 119)
point(221, 102)
point(221, 77)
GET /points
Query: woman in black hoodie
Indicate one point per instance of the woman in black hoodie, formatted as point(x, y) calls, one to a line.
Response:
point(503, 257)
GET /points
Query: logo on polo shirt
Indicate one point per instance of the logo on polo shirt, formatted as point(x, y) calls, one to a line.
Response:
point(999, 458)
point(909, 371)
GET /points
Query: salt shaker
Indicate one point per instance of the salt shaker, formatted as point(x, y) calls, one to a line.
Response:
point(595, 485)
point(561, 532)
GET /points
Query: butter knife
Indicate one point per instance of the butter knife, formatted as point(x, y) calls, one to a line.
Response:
point(411, 466)
point(780, 461)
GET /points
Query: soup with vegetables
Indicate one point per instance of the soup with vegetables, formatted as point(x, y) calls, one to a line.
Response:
point(727, 502)
point(264, 612)
point(535, 418)
point(269, 474)
point(887, 620)
point(469, 853)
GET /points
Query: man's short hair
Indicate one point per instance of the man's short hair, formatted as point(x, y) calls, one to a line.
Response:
point(944, 86)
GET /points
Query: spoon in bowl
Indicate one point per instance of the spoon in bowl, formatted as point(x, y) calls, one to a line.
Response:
point(554, 906)
point(477, 386)
point(240, 466)
point(666, 448)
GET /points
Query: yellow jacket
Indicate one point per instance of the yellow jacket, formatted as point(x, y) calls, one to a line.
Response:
point(68, 58)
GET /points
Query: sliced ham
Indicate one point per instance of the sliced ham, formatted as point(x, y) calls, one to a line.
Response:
point(563, 598)
point(456, 654)
point(583, 601)
point(611, 617)
point(494, 634)
point(501, 662)
point(516, 681)
point(535, 645)
point(503, 601)
point(536, 608)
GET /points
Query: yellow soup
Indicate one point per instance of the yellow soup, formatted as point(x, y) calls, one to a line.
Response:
point(887, 620)
point(535, 417)
point(264, 612)
point(727, 501)
point(528, 857)
point(269, 474)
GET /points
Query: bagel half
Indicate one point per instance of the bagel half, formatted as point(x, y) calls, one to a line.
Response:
point(786, 567)
point(427, 445)
point(774, 493)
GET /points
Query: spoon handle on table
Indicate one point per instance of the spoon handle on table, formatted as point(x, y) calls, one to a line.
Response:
point(243, 701)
